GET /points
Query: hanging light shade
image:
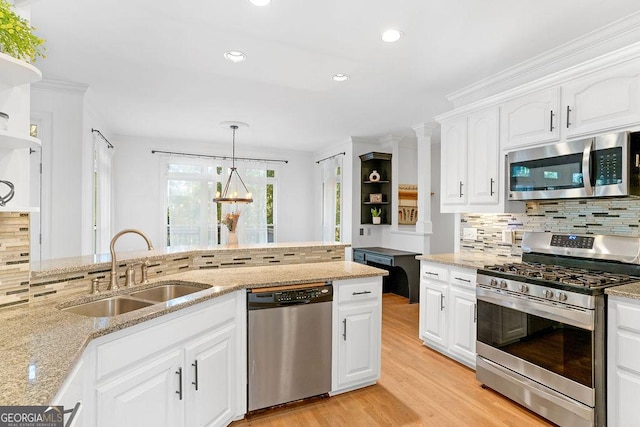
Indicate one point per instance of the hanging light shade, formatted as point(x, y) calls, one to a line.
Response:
point(234, 191)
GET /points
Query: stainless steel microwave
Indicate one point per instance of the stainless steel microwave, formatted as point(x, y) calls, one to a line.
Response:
point(603, 166)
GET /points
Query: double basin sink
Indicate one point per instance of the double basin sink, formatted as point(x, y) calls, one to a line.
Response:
point(120, 304)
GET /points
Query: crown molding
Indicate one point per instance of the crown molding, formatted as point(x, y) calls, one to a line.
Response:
point(60, 86)
point(613, 36)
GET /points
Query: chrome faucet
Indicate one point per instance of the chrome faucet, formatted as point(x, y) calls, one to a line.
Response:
point(114, 274)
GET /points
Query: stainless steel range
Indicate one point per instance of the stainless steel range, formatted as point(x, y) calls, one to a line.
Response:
point(541, 323)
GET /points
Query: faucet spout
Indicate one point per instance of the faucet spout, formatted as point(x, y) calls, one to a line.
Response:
point(112, 249)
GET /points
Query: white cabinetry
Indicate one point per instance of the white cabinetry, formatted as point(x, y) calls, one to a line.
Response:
point(531, 119)
point(448, 310)
point(603, 101)
point(623, 364)
point(185, 368)
point(470, 162)
point(357, 328)
point(15, 142)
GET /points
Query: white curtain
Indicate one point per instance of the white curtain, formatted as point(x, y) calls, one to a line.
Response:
point(103, 195)
point(330, 203)
point(252, 225)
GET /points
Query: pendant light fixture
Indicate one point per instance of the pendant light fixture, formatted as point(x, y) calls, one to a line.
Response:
point(232, 191)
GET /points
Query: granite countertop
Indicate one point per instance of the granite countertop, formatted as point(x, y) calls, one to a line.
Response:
point(40, 343)
point(632, 290)
point(469, 260)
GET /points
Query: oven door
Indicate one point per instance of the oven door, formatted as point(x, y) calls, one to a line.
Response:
point(543, 341)
point(551, 172)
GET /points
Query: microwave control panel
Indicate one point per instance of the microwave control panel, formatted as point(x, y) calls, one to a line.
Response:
point(608, 166)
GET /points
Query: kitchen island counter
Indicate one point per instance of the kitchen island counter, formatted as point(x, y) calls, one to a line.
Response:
point(41, 343)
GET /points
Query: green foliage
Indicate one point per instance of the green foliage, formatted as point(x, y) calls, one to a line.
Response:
point(16, 35)
point(376, 212)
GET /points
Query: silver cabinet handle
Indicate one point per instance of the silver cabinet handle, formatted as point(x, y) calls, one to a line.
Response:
point(464, 280)
point(568, 122)
point(441, 302)
point(195, 366)
point(551, 122)
point(344, 333)
point(475, 313)
point(430, 273)
point(361, 293)
point(461, 189)
point(179, 392)
point(491, 187)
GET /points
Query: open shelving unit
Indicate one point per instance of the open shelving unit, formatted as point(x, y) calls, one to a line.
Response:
point(381, 163)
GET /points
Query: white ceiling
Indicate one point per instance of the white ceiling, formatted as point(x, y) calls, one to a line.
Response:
point(155, 67)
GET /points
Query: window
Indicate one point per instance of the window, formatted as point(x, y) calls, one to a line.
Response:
point(332, 200)
point(194, 219)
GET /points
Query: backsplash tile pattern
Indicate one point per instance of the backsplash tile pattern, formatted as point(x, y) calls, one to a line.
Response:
point(14, 258)
point(73, 283)
point(616, 216)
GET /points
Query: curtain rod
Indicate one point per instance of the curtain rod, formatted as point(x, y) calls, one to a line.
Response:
point(110, 145)
point(331, 157)
point(208, 156)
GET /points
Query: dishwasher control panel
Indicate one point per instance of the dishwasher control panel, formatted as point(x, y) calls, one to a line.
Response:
point(257, 299)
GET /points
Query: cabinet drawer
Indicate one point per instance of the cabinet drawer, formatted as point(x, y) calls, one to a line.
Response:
point(629, 317)
point(432, 272)
point(628, 350)
point(358, 257)
point(379, 259)
point(359, 290)
point(465, 279)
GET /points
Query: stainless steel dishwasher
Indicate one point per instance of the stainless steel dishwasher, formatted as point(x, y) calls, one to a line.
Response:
point(289, 343)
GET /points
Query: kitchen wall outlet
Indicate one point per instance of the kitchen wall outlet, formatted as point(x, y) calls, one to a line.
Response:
point(470, 233)
point(368, 232)
point(362, 231)
point(508, 236)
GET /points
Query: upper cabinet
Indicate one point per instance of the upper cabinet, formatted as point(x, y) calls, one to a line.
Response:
point(606, 100)
point(15, 142)
point(531, 119)
point(470, 162)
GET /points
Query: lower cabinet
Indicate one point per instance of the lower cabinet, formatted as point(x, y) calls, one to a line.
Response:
point(183, 369)
point(623, 363)
point(357, 329)
point(448, 311)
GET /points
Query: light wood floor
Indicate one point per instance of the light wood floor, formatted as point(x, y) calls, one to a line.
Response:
point(418, 387)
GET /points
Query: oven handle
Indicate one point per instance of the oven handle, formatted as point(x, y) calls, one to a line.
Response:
point(580, 318)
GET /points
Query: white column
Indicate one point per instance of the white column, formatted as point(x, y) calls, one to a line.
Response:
point(423, 133)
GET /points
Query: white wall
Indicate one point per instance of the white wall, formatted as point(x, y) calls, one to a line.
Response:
point(138, 187)
point(443, 239)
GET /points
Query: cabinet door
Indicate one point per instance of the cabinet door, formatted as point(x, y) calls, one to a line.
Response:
point(210, 382)
point(531, 119)
point(462, 332)
point(604, 101)
point(147, 395)
point(359, 343)
point(454, 162)
point(432, 307)
point(483, 146)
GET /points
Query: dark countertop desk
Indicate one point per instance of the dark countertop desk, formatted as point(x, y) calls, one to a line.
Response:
point(403, 267)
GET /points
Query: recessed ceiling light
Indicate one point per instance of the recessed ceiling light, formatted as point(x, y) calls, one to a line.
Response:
point(391, 36)
point(260, 2)
point(235, 56)
point(340, 77)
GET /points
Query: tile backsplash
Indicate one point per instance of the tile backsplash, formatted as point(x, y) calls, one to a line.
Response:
point(594, 216)
point(14, 258)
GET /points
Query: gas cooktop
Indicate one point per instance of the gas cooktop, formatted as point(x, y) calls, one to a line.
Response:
point(572, 276)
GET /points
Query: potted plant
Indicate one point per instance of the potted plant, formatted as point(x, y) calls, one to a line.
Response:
point(16, 35)
point(377, 215)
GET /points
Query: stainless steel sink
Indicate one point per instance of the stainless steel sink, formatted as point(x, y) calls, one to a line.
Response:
point(108, 307)
point(166, 292)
